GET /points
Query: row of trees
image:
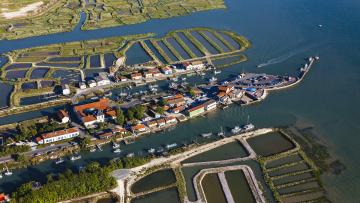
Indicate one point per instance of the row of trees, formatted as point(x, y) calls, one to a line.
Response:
point(136, 112)
point(27, 130)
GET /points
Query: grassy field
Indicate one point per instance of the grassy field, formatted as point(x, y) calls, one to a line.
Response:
point(63, 15)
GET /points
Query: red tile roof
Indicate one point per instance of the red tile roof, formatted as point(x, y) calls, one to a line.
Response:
point(59, 133)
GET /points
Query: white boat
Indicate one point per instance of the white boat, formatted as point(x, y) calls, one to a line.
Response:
point(151, 150)
point(213, 79)
point(75, 157)
point(175, 79)
point(117, 151)
point(183, 79)
point(236, 129)
point(1, 176)
point(130, 155)
point(93, 150)
point(7, 172)
point(317, 57)
point(217, 72)
point(247, 127)
point(221, 133)
point(99, 148)
point(59, 161)
point(206, 135)
point(169, 146)
point(115, 145)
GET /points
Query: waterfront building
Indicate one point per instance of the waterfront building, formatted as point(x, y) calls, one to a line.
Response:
point(95, 112)
point(82, 85)
point(226, 88)
point(106, 135)
point(210, 105)
point(57, 135)
point(196, 110)
point(63, 116)
point(102, 80)
point(151, 124)
point(175, 101)
point(167, 70)
point(147, 74)
point(178, 109)
point(160, 122)
point(138, 128)
point(170, 120)
point(91, 83)
point(65, 89)
point(136, 76)
point(155, 72)
point(119, 130)
point(123, 79)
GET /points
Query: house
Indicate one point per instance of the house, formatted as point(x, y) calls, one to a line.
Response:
point(119, 130)
point(4, 198)
point(123, 79)
point(57, 135)
point(151, 124)
point(170, 120)
point(106, 135)
point(154, 114)
point(196, 65)
point(95, 112)
point(65, 89)
point(226, 88)
point(197, 92)
point(63, 116)
point(178, 109)
point(136, 76)
point(186, 66)
point(82, 85)
point(195, 111)
point(155, 72)
point(237, 94)
point(91, 83)
point(102, 80)
point(138, 128)
point(147, 74)
point(175, 101)
point(210, 105)
point(160, 122)
point(167, 70)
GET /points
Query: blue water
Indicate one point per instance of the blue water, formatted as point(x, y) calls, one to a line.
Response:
point(326, 100)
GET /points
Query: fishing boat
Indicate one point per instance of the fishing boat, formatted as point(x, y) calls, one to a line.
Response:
point(92, 150)
point(221, 133)
point(151, 151)
point(236, 129)
point(169, 146)
point(59, 161)
point(247, 127)
point(206, 135)
point(213, 79)
point(75, 157)
point(217, 72)
point(7, 172)
point(117, 151)
point(115, 145)
point(99, 147)
point(130, 155)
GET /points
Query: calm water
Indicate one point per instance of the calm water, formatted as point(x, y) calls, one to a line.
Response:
point(282, 34)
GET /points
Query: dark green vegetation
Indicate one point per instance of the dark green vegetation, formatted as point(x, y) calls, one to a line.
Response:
point(68, 185)
point(161, 178)
point(64, 15)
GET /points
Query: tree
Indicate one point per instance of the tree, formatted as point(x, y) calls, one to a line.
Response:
point(19, 157)
point(139, 112)
point(162, 102)
point(130, 114)
point(120, 118)
point(192, 92)
point(26, 131)
point(84, 142)
point(159, 110)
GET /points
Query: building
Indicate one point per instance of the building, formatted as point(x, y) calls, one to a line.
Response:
point(147, 74)
point(106, 135)
point(155, 72)
point(178, 109)
point(123, 79)
point(175, 101)
point(167, 70)
point(196, 65)
point(210, 105)
point(65, 89)
point(119, 130)
point(102, 80)
point(161, 122)
point(136, 76)
point(226, 88)
point(91, 83)
point(170, 120)
point(138, 128)
point(152, 124)
point(63, 116)
point(82, 85)
point(195, 111)
point(57, 136)
point(95, 112)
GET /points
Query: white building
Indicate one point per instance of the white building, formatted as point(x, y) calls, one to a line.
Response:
point(102, 80)
point(57, 136)
point(63, 116)
point(91, 83)
point(167, 70)
point(65, 89)
point(82, 85)
point(210, 105)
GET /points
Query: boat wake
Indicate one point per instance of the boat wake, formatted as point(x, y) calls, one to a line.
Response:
point(283, 57)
